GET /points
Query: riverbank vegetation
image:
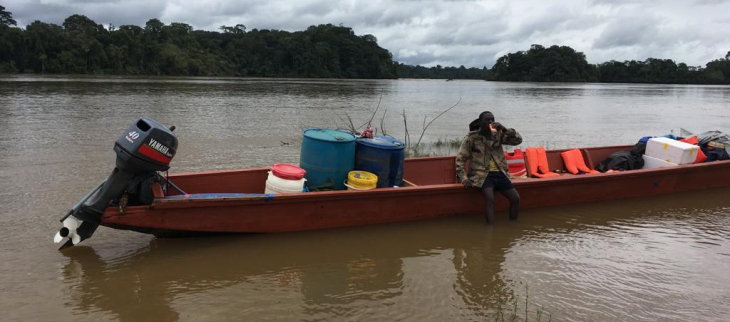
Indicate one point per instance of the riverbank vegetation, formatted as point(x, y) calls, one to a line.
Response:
point(81, 46)
point(563, 64)
point(440, 72)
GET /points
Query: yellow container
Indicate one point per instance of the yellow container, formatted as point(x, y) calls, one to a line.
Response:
point(361, 180)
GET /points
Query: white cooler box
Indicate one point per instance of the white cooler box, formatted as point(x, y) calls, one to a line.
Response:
point(671, 151)
point(653, 163)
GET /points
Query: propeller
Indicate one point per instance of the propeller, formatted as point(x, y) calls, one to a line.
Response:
point(71, 224)
point(69, 230)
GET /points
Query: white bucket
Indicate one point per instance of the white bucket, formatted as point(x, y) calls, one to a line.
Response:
point(275, 185)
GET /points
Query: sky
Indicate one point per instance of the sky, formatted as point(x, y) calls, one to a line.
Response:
point(445, 32)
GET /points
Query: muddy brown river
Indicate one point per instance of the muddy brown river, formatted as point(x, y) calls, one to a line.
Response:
point(664, 258)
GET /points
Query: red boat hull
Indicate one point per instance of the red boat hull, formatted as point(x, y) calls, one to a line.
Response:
point(434, 193)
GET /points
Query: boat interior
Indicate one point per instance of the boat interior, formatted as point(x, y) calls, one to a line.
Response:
point(426, 171)
point(423, 171)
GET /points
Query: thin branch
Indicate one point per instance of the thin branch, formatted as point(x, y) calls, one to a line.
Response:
point(527, 297)
point(348, 123)
point(434, 119)
point(382, 124)
point(407, 137)
point(352, 126)
point(376, 110)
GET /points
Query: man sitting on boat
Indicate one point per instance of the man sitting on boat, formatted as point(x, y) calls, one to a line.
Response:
point(488, 168)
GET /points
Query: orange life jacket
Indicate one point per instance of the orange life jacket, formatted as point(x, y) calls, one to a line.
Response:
point(701, 157)
point(574, 162)
point(691, 140)
point(537, 161)
point(516, 163)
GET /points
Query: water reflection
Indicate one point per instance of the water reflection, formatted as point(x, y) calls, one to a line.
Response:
point(547, 92)
point(368, 272)
point(151, 279)
point(348, 268)
point(211, 87)
point(634, 260)
point(335, 272)
point(130, 294)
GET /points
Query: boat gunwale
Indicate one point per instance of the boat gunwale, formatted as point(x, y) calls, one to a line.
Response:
point(421, 189)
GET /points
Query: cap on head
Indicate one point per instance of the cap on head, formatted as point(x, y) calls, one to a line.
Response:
point(487, 115)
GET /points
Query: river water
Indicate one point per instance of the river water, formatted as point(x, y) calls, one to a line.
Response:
point(662, 258)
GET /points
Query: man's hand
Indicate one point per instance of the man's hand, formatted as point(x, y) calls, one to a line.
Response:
point(498, 127)
point(467, 184)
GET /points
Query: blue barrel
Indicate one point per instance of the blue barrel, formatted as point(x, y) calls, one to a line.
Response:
point(383, 156)
point(327, 156)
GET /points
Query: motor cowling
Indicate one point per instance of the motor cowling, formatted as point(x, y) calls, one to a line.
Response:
point(144, 148)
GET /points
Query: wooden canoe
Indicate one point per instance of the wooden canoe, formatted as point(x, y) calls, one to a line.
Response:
point(234, 202)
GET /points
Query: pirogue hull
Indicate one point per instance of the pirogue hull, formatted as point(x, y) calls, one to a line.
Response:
point(233, 202)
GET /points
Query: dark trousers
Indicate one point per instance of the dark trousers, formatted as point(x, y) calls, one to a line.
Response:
point(510, 193)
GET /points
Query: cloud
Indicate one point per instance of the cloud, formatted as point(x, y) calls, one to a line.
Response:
point(628, 31)
point(711, 2)
point(131, 12)
point(449, 33)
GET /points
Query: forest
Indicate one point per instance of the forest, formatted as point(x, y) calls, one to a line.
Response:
point(563, 64)
point(82, 46)
point(440, 72)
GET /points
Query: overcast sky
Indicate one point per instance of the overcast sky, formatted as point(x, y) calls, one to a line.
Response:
point(449, 33)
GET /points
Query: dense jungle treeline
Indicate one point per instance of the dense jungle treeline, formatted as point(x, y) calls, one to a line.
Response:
point(439, 72)
point(563, 64)
point(80, 45)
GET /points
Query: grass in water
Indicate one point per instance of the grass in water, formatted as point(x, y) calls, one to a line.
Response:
point(450, 143)
point(512, 316)
point(442, 146)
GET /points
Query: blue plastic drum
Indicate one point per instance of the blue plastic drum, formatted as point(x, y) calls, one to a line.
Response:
point(327, 156)
point(384, 156)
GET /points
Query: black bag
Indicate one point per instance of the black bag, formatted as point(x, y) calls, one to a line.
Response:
point(624, 160)
point(715, 154)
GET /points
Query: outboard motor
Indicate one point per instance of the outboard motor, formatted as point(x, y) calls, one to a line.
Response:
point(145, 148)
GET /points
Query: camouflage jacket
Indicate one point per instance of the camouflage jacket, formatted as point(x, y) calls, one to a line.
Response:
point(479, 151)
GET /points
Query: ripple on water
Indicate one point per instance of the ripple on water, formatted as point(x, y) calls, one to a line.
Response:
point(632, 269)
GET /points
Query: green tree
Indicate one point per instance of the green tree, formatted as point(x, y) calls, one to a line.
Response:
point(13, 54)
point(6, 18)
point(439, 72)
point(717, 72)
point(81, 45)
point(45, 42)
point(237, 29)
point(130, 40)
point(153, 28)
point(82, 32)
point(540, 64)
